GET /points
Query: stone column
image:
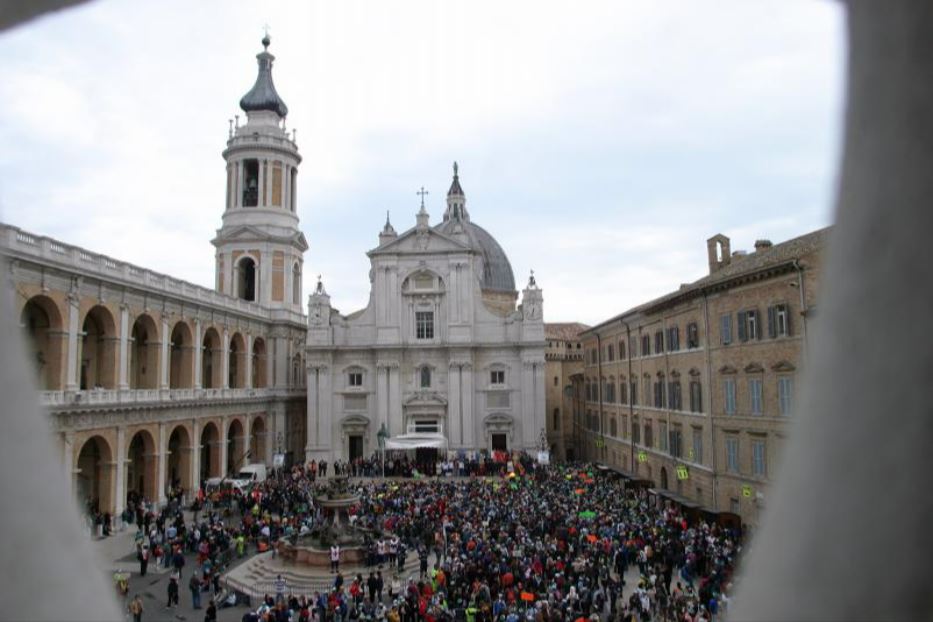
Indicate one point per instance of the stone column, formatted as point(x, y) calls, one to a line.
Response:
point(539, 387)
point(312, 414)
point(238, 184)
point(68, 461)
point(123, 353)
point(195, 461)
point(198, 353)
point(224, 423)
point(280, 427)
point(326, 439)
point(119, 471)
point(249, 361)
point(161, 456)
point(282, 368)
point(382, 395)
point(468, 411)
point(395, 425)
point(527, 413)
point(164, 356)
point(71, 381)
point(454, 429)
point(225, 359)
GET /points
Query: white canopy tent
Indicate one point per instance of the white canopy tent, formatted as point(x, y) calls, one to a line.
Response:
point(414, 441)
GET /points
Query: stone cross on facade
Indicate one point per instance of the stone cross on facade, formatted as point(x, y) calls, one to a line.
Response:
point(422, 192)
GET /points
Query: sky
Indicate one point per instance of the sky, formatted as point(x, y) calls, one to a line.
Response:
point(601, 143)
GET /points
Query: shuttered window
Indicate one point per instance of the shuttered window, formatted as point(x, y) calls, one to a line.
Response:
point(725, 329)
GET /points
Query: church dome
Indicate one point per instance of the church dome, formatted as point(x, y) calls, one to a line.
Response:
point(497, 271)
point(263, 95)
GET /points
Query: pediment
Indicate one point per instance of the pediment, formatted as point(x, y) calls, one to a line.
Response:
point(356, 421)
point(428, 398)
point(250, 233)
point(754, 368)
point(497, 419)
point(415, 241)
point(728, 369)
point(783, 366)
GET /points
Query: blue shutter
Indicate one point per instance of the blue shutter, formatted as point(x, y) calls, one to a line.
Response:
point(743, 336)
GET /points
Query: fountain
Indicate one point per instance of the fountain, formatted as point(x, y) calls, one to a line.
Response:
point(313, 548)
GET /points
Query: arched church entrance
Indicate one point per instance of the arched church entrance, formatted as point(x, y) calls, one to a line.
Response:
point(664, 478)
point(94, 477)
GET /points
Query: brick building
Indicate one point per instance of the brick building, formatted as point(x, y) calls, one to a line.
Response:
point(694, 390)
point(563, 358)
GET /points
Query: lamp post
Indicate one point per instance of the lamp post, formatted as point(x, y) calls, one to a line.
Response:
point(381, 436)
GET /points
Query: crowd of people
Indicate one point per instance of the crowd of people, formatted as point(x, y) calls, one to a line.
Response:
point(531, 543)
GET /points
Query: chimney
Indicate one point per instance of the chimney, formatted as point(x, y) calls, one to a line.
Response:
point(762, 245)
point(717, 247)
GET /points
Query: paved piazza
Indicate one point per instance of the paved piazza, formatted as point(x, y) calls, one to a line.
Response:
point(556, 542)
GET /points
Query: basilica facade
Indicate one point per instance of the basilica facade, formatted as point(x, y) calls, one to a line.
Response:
point(442, 359)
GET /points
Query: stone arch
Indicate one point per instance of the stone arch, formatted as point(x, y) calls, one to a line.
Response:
point(41, 321)
point(181, 357)
point(664, 482)
point(144, 350)
point(94, 469)
point(178, 458)
point(211, 364)
point(142, 466)
point(98, 351)
point(416, 279)
point(210, 451)
point(257, 440)
point(236, 452)
point(244, 274)
point(259, 378)
point(236, 362)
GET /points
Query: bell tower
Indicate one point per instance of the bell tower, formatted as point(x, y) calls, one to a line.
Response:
point(260, 249)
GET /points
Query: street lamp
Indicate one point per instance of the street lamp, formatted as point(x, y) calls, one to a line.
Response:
point(381, 436)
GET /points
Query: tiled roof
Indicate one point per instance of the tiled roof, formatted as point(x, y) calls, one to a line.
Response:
point(566, 331)
point(739, 266)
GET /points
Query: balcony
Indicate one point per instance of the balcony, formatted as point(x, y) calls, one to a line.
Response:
point(150, 396)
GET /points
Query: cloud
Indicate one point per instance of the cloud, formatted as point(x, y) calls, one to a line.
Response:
point(616, 135)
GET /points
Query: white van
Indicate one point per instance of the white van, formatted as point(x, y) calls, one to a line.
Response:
point(248, 477)
point(251, 474)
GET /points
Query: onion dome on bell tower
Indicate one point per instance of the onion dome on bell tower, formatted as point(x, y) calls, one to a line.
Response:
point(263, 95)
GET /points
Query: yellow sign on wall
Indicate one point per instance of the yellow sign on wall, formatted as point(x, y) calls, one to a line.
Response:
point(682, 472)
point(746, 491)
point(642, 456)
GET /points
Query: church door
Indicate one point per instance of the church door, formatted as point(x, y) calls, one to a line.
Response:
point(499, 442)
point(356, 446)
